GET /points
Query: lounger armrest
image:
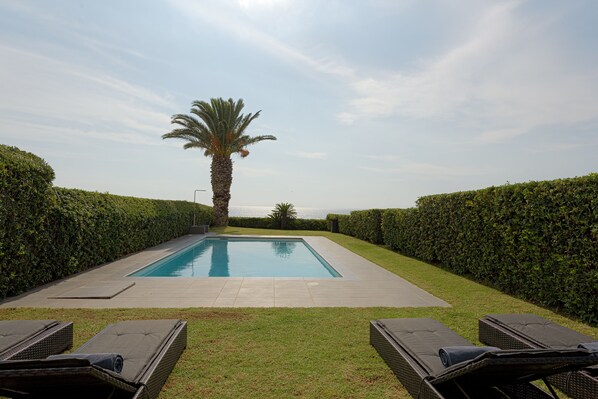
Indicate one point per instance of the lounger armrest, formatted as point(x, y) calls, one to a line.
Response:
point(65, 378)
point(42, 364)
point(516, 366)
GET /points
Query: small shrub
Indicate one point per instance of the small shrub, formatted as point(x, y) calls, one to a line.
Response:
point(282, 214)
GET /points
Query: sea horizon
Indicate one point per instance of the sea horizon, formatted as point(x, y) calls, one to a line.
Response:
point(302, 212)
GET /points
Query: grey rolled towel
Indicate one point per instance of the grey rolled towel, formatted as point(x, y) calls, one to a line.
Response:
point(591, 346)
point(450, 355)
point(109, 361)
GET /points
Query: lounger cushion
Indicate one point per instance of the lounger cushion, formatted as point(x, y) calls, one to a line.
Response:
point(542, 332)
point(423, 337)
point(137, 341)
point(13, 332)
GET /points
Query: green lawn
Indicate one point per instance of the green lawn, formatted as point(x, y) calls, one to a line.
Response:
point(308, 353)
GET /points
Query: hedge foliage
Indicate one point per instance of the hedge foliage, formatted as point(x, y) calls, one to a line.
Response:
point(89, 228)
point(25, 182)
point(48, 233)
point(537, 240)
point(365, 225)
point(268, 223)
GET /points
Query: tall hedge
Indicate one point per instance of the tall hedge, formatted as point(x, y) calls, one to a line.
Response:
point(367, 225)
point(267, 223)
point(48, 233)
point(89, 228)
point(538, 240)
point(25, 182)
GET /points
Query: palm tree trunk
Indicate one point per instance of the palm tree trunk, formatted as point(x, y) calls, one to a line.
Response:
point(222, 178)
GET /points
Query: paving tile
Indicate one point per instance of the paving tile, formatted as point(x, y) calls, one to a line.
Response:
point(254, 303)
point(255, 293)
point(225, 302)
point(294, 302)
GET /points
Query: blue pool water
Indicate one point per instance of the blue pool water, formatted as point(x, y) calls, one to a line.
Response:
point(242, 257)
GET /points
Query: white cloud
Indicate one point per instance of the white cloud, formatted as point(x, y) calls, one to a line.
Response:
point(346, 118)
point(382, 157)
point(311, 155)
point(498, 135)
point(248, 171)
point(225, 20)
point(425, 169)
point(507, 78)
point(43, 96)
point(247, 4)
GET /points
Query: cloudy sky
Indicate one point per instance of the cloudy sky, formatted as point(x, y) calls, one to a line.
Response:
point(374, 103)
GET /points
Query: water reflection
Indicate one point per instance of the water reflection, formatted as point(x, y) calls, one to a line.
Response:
point(185, 264)
point(220, 260)
point(283, 249)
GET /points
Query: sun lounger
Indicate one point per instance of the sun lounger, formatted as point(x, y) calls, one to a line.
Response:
point(34, 339)
point(150, 349)
point(528, 331)
point(411, 349)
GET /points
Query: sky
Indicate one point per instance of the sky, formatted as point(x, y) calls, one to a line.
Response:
point(375, 103)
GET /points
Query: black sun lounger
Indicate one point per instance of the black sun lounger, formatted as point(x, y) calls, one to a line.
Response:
point(410, 347)
point(34, 339)
point(150, 349)
point(528, 331)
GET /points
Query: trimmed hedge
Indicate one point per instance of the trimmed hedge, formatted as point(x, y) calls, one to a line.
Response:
point(25, 181)
point(47, 234)
point(89, 228)
point(537, 240)
point(268, 223)
point(365, 225)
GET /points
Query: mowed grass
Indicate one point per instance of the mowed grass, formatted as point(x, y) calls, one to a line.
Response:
point(306, 353)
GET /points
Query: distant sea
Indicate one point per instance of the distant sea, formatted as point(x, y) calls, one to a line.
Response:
point(302, 213)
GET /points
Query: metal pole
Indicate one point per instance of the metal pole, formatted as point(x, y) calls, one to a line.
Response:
point(194, 193)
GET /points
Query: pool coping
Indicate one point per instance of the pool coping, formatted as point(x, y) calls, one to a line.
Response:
point(363, 284)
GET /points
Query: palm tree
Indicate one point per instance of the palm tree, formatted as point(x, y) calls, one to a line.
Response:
point(217, 127)
point(282, 214)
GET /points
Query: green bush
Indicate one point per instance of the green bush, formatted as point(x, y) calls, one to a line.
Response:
point(537, 240)
point(401, 230)
point(309, 224)
point(268, 223)
point(345, 225)
point(252, 222)
point(89, 228)
point(47, 234)
point(25, 181)
point(367, 225)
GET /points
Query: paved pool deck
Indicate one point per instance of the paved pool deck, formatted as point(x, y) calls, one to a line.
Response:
point(363, 284)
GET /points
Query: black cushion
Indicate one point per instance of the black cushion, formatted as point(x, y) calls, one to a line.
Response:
point(13, 332)
point(543, 333)
point(137, 341)
point(423, 338)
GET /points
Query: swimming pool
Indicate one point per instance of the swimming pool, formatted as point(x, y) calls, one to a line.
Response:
point(242, 257)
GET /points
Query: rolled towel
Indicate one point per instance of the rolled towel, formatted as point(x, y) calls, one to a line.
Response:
point(109, 361)
point(450, 355)
point(591, 346)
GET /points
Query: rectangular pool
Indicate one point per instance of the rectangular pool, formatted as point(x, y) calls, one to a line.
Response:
point(242, 257)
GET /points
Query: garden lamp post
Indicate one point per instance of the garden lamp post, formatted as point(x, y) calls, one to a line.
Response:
point(194, 211)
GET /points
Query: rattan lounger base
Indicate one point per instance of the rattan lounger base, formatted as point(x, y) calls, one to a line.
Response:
point(527, 331)
point(41, 338)
point(410, 348)
point(142, 377)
